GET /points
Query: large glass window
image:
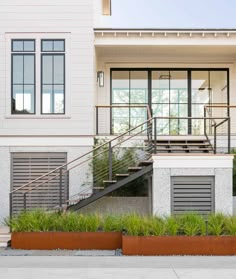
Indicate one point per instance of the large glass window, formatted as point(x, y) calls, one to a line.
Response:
point(174, 95)
point(53, 76)
point(23, 77)
point(130, 95)
point(170, 99)
point(208, 87)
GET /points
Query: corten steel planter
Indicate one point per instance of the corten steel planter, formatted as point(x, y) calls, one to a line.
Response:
point(66, 240)
point(179, 245)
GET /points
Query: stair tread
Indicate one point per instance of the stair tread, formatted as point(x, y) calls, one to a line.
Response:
point(134, 168)
point(184, 149)
point(183, 144)
point(109, 181)
point(147, 162)
point(98, 188)
point(122, 174)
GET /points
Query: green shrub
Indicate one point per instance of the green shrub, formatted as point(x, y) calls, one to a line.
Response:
point(216, 224)
point(172, 225)
point(230, 225)
point(135, 225)
point(192, 224)
point(156, 226)
point(33, 221)
point(112, 223)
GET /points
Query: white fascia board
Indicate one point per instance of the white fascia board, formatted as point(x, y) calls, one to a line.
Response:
point(46, 141)
point(150, 41)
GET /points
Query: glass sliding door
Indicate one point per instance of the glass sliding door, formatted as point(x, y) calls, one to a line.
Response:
point(120, 97)
point(129, 91)
point(208, 87)
point(171, 94)
point(201, 95)
point(170, 99)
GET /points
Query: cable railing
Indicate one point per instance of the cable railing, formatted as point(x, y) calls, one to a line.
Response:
point(228, 108)
point(141, 140)
point(106, 113)
point(108, 148)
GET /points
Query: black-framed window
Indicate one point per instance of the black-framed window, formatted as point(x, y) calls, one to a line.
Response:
point(53, 76)
point(129, 91)
point(23, 76)
point(171, 92)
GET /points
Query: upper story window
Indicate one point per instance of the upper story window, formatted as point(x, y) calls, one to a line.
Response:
point(23, 77)
point(53, 76)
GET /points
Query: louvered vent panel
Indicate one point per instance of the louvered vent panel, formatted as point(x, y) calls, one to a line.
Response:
point(29, 166)
point(192, 194)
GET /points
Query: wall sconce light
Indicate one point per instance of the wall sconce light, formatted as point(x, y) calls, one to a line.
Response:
point(100, 78)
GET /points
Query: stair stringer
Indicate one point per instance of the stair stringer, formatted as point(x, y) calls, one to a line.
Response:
point(110, 189)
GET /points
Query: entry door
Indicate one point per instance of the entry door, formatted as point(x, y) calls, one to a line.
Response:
point(170, 99)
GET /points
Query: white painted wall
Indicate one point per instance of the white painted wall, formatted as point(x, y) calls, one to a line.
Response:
point(72, 20)
point(68, 19)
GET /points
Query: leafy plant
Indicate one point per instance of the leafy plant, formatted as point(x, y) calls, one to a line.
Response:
point(122, 158)
point(172, 225)
point(112, 223)
point(216, 224)
point(133, 224)
point(156, 226)
point(230, 225)
point(192, 224)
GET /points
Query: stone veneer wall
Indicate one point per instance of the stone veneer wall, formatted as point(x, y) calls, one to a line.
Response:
point(165, 167)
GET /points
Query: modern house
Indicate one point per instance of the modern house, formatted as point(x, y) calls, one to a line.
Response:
point(159, 101)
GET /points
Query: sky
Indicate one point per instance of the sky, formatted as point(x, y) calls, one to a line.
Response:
point(174, 13)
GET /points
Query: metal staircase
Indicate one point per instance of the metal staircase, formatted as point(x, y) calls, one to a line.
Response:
point(133, 174)
point(113, 164)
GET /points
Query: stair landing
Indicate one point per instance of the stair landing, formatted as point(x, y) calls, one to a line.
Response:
point(182, 144)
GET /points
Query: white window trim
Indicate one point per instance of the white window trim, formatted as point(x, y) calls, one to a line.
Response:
point(37, 37)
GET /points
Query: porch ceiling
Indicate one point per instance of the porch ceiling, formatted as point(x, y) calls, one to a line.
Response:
point(205, 53)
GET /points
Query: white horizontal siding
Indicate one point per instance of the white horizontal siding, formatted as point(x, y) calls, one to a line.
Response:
point(73, 19)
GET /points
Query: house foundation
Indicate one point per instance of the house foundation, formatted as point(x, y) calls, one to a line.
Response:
point(192, 183)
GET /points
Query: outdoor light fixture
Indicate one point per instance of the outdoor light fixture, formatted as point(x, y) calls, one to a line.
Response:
point(100, 78)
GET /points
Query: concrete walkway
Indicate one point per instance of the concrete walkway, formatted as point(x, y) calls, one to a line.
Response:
point(38, 267)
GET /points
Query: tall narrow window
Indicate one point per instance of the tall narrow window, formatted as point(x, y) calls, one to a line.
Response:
point(23, 77)
point(53, 76)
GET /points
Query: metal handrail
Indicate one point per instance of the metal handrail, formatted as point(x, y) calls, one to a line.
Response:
point(148, 127)
point(127, 106)
point(229, 120)
point(82, 156)
point(79, 164)
point(149, 114)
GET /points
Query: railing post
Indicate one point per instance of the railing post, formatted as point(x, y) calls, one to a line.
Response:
point(24, 195)
point(205, 121)
point(155, 135)
point(60, 198)
point(110, 161)
point(229, 135)
point(10, 204)
point(96, 120)
point(214, 139)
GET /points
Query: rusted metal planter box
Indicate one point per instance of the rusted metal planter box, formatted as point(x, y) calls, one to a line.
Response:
point(66, 240)
point(179, 245)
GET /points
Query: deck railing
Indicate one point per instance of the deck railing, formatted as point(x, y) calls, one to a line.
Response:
point(145, 132)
